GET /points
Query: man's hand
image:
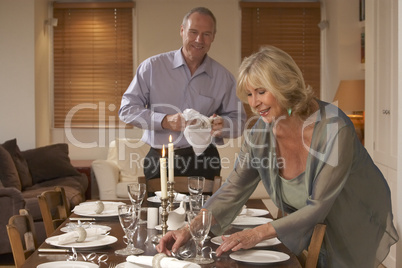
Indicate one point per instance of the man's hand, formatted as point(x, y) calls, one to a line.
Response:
point(216, 125)
point(174, 122)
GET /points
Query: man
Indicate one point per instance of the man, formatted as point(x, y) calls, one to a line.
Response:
point(167, 84)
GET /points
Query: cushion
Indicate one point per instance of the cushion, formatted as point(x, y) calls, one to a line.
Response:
point(129, 156)
point(8, 171)
point(49, 162)
point(20, 163)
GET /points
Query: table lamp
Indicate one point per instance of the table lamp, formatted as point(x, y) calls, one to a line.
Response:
point(350, 99)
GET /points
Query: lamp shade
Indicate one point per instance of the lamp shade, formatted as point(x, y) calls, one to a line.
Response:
point(350, 96)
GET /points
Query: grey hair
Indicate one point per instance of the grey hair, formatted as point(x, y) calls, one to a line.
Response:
point(201, 10)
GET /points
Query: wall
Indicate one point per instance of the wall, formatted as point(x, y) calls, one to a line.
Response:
point(341, 46)
point(42, 73)
point(17, 72)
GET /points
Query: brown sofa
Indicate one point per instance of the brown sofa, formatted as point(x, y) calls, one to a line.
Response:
point(24, 175)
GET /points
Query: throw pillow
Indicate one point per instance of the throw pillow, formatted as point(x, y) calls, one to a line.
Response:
point(20, 163)
point(49, 162)
point(8, 171)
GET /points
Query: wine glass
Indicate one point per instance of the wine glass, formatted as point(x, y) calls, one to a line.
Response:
point(136, 192)
point(128, 220)
point(195, 188)
point(200, 224)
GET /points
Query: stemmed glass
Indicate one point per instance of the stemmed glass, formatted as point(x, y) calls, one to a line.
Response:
point(128, 220)
point(136, 192)
point(200, 224)
point(195, 188)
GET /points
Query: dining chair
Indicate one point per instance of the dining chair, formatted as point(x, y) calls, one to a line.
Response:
point(181, 184)
point(54, 208)
point(309, 258)
point(22, 236)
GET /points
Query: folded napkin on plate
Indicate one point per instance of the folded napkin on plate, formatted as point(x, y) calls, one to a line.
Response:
point(164, 262)
point(72, 236)
point(199, 134)
point(177, 217)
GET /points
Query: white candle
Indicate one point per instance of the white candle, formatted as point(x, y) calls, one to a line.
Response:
point(171, 159)
point(162, 162)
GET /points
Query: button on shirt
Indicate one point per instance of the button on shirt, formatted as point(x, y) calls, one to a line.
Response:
point(163, 85)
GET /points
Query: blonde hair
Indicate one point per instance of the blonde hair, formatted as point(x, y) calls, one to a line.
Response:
point(274, 70)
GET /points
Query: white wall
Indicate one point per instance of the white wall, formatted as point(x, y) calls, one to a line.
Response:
point(17, 72)
point(341, 46)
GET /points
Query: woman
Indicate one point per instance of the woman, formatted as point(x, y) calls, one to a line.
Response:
point(312, 165)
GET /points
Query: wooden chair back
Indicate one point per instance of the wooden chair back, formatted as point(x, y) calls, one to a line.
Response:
point(309, 258)
point(54, 208)
point(22, 236)
point(181, 184)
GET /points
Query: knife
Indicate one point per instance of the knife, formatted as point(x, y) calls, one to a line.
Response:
point(94, 219)
point(65, 250)
point(82, 219)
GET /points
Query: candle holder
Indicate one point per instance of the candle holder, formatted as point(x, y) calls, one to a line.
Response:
point(165, 214)
point(170, 188)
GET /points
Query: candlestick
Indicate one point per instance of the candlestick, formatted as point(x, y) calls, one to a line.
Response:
point(171, 159)
point(162, 162)
point(165, 214)
point(170, 186)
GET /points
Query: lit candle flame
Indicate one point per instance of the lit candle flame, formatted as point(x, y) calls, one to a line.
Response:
point(163, 150)
point(170, 138)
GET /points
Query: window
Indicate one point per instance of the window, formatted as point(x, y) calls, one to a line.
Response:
point(293, 27)
point(93, 62)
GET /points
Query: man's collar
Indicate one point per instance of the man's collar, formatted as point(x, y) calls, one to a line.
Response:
point(206, 65)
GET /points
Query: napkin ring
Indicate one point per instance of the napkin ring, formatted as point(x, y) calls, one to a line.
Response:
point(156, 260)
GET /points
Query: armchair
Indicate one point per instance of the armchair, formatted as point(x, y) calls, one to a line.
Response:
point(124, 164)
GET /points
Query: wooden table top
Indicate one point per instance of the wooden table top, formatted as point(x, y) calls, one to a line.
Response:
point(142, 242)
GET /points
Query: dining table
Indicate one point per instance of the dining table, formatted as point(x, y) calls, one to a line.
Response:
point(143, 240)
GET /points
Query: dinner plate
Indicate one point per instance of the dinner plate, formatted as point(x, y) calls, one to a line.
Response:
point(180, 197)
point(259, 256)
point(254, 212)
point(69, 229)
point(87, 209)
point(217, 240)
point(90, 242)
point(131, 265)
point(250, 221)
point(68, 264)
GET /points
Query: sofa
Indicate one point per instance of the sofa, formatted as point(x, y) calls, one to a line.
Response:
point(26, 174)
point(124, 164)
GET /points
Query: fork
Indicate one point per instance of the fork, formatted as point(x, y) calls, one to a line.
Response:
point(112, 265)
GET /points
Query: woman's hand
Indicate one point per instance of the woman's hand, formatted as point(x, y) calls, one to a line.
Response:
point(246, 239)
point(173, 240)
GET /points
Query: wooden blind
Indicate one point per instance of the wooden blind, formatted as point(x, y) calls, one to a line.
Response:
point(293, 27)
point(93, 62)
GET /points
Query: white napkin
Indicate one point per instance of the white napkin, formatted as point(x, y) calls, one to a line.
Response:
point(177, 217)
point(72, 236)
point(199, 134)
point(166, 262)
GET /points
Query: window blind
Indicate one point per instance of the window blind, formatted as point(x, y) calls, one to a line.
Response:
point(93, 62)
point(293, 27)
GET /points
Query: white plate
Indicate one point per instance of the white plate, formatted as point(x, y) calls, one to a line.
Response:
point(254, 212)
point(217, 240)
point(104, 227)
point(250, 221)
point(90, 242)
point(159, 227)
point(68, 264)
point(155, 199)
point(259, 256)
point(131, 265)
point(87, 209)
